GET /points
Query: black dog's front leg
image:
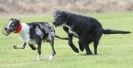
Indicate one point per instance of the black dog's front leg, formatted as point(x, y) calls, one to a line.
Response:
point(70, 42)
point(70, 38)
point(20, 47)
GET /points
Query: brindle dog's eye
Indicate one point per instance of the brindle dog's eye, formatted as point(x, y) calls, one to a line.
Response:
point(12, 24)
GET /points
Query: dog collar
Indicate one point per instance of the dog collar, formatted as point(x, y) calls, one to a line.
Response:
point(18, 29)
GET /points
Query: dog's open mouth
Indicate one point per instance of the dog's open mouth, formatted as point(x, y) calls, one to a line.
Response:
point(5, 32)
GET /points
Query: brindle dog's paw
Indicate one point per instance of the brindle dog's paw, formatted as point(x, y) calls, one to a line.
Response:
point(15, 47)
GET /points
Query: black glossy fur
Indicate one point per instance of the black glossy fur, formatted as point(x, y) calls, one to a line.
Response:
point(86, 29)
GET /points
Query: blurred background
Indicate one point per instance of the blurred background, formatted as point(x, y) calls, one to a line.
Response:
point(48, 6)
point(115, 51)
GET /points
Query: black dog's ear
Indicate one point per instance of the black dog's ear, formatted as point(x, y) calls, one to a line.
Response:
point(59, 11)
point(63, 12)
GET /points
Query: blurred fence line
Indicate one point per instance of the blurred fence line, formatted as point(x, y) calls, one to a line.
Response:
point(44, 6)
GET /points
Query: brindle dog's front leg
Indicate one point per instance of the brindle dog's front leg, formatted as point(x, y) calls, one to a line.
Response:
point(39, 43)
point(20, 47)
point(51, 38)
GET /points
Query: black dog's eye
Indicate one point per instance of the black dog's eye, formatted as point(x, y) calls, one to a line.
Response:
point(58, 15)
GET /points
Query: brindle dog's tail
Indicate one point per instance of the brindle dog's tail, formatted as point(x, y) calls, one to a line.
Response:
point(61, 37)
point(108, 31)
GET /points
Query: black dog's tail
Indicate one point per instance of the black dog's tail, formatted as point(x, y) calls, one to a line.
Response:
point(61, 37)
point(108, 31)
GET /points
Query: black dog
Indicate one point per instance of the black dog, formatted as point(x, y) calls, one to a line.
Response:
point(86, 29)
point(31, 34)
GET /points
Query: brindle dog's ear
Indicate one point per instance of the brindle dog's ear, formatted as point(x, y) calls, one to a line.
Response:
point(11, 18)
point(16, 19)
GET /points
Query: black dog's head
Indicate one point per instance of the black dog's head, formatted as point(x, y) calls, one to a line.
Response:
point(60, 18)
point(11, 26)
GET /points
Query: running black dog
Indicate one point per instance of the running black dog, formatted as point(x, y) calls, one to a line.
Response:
point(31, 34)
point(86, 29)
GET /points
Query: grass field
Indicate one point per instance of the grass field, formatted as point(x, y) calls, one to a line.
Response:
point(115, 51)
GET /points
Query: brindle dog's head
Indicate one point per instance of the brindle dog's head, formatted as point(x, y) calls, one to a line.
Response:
point(60, 17)
point(11, 26)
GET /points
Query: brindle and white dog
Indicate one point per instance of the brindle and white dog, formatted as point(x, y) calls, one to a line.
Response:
point(32, 34)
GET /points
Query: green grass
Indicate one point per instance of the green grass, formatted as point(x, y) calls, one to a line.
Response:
point(115, 51)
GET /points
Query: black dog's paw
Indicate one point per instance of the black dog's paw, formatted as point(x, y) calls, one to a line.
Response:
point(81, 48)
point(76, 50)
point(15, 47)
point(34, 48)
point(88, 54)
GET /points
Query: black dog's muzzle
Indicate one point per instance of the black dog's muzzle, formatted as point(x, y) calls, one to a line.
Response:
point(54, 23)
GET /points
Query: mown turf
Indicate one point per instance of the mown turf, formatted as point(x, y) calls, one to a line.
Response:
point(115, 51)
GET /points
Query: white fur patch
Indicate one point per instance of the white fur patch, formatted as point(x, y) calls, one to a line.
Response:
point(8, 24)
point(24, 34)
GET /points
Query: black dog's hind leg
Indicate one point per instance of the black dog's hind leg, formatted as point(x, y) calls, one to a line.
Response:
point(97, 37)
point(32, 47)
point(80, 46)
point(84, 41)
point(70, 42)
point(86, 46)
point(20, 47)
